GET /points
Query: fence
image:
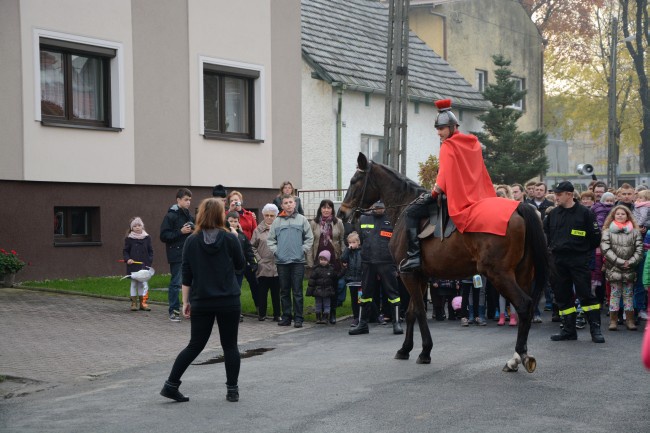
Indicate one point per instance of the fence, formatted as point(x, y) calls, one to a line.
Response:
point(310, 199)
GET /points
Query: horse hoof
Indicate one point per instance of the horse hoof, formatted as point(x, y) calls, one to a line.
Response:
point(530, 364)
point(401, 355)
point(507, 369)
point(423, 360)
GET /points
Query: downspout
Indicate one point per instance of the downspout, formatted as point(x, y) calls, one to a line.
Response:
point(339, 166)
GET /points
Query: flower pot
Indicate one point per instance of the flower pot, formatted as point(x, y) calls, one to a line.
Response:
point(8, 280)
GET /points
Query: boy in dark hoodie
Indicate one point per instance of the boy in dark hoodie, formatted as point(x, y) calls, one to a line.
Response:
point(177, 225)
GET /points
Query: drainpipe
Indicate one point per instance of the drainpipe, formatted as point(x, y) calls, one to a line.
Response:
point(340, 87)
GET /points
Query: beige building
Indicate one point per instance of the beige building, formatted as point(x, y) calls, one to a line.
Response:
point(109, 107)
point(468, 33)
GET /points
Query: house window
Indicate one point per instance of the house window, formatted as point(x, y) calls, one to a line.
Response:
point(520, 84)
point(76, 226)
point(229, 102)
point(373, 146)
point(75, 83)
point(481, 80)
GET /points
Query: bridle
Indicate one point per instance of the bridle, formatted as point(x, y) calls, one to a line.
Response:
point(359, 209)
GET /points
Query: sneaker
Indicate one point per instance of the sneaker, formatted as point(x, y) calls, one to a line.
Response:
point(297, 325)
point(285, 322)
point(175, 316)
point(537, 319)
point(643, 315)
point(548, 307)
point(464, 321)
point(354, 323)
point(480, 321)
point(380, 319)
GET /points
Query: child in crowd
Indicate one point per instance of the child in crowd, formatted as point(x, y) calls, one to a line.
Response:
point(322, 286)
point(641, 210)
point(247, 249)
point(601, 209)
point(351, 262)
point(442, 292)
point(622, 249)
point(138, 254)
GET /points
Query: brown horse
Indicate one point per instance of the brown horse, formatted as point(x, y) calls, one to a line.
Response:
point(516, 264)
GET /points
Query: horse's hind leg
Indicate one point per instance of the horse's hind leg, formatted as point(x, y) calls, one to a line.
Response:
point(507, 286)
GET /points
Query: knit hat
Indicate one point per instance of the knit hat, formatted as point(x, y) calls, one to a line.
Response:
point(325, 254)
point(219, 191)
point(136, 221)
point(607, 195)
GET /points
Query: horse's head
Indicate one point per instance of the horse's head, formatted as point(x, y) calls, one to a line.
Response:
point(362, 192)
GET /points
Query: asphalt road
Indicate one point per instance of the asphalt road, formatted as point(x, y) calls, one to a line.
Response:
point(319, 379)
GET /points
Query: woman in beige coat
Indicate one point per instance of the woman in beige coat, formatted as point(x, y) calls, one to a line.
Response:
point(267, 273)
point(622, 250)
point(328, 236)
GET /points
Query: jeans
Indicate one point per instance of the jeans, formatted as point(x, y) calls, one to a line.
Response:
point(291, 276)
point(174, 287)
point(267, 284)
point(640, 301)
point(201, 328)
point(253, 284)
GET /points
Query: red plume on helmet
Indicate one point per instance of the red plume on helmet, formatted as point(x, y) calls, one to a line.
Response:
point(441, 104)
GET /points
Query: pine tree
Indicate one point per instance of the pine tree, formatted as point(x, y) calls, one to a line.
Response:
point(511, 156)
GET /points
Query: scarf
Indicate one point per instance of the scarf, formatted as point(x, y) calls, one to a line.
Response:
point(616, 227)
point(326, 229)
point(134, 235)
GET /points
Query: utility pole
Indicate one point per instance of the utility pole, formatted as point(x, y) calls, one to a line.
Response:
point(397, 84)
point(612, 123)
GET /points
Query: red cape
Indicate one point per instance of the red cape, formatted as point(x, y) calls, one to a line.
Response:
point(472, 202)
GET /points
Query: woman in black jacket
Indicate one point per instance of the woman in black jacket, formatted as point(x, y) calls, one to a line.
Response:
point(211, 257)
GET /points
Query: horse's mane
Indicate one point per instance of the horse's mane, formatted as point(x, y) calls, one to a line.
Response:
point(409, 188)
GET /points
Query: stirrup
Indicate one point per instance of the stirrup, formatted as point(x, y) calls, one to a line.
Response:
point(410, 264)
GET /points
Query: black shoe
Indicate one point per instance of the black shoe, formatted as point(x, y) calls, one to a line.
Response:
point(297, 325)
point(568, 331)
point(277, 319)
point(361, 328)
point(170, 390)
point(285, 322)
point(333, 316)
point(261, 318)
point(233, 393)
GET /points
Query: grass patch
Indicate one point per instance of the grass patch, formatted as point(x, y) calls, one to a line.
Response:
point(113, 286)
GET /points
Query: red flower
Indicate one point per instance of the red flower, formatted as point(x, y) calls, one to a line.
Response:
point(14, 252)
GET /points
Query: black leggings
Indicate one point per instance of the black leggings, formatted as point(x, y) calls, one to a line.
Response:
point(202, 324)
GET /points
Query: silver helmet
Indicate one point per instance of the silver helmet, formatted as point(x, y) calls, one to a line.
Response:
point(445, 115)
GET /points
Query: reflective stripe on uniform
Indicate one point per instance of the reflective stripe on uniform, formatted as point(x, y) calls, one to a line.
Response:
point(364, 300)
point(394, 301)
point(568, 311)
point(591, 307)
point(367, 226)
point(575, 232)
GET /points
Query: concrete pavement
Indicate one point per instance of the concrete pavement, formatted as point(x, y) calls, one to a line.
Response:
point(319, 379)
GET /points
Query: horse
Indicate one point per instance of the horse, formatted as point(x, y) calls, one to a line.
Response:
point(516, 264)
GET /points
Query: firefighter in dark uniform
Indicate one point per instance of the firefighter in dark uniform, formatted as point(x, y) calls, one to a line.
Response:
point(572, 234)
point(376, 231)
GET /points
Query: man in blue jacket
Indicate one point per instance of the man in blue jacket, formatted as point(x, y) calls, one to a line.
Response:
point(290, 238)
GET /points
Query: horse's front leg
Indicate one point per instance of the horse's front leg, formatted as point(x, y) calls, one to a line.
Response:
point(407, 346)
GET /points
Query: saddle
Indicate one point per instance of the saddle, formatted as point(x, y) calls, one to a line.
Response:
point(438, 224)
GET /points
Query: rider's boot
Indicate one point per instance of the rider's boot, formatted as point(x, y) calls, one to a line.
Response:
point(568, 332)
point(412, 261)
point(362, 327)
point(397, 327)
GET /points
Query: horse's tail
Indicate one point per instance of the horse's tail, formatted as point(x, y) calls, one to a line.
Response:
point(536, 247)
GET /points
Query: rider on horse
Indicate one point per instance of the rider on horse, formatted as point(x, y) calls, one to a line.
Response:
point(463, 178)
